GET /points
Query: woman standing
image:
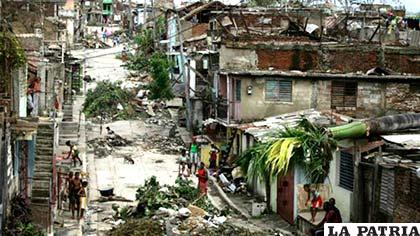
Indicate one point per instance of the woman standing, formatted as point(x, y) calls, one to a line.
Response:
point(203, 177)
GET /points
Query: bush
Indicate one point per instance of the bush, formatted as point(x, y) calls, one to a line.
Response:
point(160, 87)
point(105, 99)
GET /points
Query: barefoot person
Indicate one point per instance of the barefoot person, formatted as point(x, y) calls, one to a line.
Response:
point(203, 177)
point(83, 199)
point(74, 194)
point(73, 153)
point(183, 164)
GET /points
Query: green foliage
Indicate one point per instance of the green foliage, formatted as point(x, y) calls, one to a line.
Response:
point(138, 227)
point(12, 56)
point(104, 100)
point(145, 46)
point(160, 87)
point(262, 3)
point(305, 145)
point(19, 221)
point(151, 196)
point(11, 51)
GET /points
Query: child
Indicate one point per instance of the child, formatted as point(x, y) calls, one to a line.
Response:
point(213, 157)
point(183, 163)
point(83, 200)
point(316, 201)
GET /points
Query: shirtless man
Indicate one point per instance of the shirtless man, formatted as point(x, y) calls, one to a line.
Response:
point(76, 184)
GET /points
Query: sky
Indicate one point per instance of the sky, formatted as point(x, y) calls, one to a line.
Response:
point(411, 5)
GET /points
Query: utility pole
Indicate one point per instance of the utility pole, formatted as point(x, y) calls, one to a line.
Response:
point(144, 14)
point(130, 20)
point(156, 40)
point(186, 77)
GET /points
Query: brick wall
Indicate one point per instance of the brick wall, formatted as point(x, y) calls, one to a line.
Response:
point(199, 29)
point(403, 63)
point(407, 188)
point(352, 60)
point(399, 98)
point(297, 59)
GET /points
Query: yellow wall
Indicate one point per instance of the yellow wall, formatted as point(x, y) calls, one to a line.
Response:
point(205, 153)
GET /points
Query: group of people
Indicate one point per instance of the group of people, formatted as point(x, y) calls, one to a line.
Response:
point(75, 191)
point(332, 214)
point(191, 163)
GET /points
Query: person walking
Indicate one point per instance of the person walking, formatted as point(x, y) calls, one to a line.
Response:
point(194, 155)
point(203, 177)
point(74, 194)
point(69, 190)
point(74, 153)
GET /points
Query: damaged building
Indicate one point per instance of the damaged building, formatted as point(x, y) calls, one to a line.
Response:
point(246, 71)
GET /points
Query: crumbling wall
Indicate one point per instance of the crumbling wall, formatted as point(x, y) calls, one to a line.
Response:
point(199, 29)
point(407, 188)
point(401, 62)
point(399, 98)
point(353, 59)
point(239, 59)
point(290, 59)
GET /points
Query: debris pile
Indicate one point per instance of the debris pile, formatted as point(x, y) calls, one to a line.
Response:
point(175, 210)
point(164, 144)
point(232, 180)
point(104, 146)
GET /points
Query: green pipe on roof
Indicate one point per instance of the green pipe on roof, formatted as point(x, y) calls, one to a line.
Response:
point(352, 130)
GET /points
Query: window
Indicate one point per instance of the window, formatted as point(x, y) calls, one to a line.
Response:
point(278, 90)
point(346, 171)
point(386, 197)
point(238, 90)
point(343, 94)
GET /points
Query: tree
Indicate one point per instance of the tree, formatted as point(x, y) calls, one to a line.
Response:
point(160, 87)
point(105, 100)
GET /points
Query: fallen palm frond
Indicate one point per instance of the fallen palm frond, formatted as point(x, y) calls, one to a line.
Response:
point(305, 145)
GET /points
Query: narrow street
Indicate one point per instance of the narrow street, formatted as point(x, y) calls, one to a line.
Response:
point(173, 118)
point(113, 170)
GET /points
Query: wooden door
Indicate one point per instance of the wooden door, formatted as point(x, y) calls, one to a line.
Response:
point(285, 196)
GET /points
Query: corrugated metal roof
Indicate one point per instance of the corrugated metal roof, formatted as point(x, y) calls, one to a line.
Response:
point(409, 141)
point(261, 129)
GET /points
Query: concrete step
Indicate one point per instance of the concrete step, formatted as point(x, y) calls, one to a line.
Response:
point(44, 141)
point(44, 145)
point(43, 162)
point(43, 157)
point(41, 152)
point(40, 197)
point(41, 184)
point(42, 178)
point(47, 167)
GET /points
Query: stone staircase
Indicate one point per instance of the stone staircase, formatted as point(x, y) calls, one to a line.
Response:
point(68, 131)
point(68, 127)
point(43, 174)
point(68, 112)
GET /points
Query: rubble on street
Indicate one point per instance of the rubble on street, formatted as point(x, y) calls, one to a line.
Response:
point(176, 210)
